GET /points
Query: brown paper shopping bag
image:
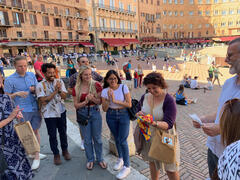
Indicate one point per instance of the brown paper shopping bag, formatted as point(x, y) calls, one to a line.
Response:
point(27, 137)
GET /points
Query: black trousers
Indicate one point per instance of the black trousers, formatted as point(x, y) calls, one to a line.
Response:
point(60, 124)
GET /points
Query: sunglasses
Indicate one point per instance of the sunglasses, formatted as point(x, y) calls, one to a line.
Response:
point(84, 61)
point(230, 103)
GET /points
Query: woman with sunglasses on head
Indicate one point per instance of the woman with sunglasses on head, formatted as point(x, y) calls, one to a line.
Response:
point(229, 162)
point(18, 166)
point(86, 96)
point(116, 99)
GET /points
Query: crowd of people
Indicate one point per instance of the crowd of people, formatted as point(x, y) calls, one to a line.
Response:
point(33, 97)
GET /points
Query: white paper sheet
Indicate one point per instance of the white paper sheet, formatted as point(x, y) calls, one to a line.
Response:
point(196, 118)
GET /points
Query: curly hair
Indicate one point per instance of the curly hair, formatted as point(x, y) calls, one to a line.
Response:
point(156, 79)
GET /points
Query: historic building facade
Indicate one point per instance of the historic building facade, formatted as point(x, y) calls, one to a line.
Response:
point(113, 24)
point(43, 26)
point(175, 22)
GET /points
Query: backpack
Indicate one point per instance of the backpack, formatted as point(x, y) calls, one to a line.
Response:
point(132, 110)
point(125, 68)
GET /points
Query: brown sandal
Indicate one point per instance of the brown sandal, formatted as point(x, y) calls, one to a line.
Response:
point(89, 166)
point(103, 165)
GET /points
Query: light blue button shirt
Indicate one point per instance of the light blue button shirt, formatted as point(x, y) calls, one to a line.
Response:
point(16, 83)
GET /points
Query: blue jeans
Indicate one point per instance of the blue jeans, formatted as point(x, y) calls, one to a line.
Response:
point(92, 133)
point(118, 122)
point(212, 162)
point(2, 72)
point(135, 82)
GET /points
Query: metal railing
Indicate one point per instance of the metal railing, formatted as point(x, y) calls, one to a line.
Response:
point(112, 8)
point(106, 29)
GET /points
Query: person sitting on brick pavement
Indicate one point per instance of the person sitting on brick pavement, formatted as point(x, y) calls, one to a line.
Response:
point(185, 77)
point(164, 112)
point(230, 90)
point(51, 93)
point(181, 98)
point(209, 85)
point(87, 98)
point(194, 84)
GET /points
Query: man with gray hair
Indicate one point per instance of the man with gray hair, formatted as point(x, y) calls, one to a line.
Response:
point(21, 87)
point(230, 90)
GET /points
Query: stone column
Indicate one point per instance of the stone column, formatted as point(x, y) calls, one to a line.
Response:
point(130, 140)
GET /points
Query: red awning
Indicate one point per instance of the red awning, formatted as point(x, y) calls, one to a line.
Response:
point(131, 41)
point(87, 44)
point(114, 42)
point(229, 38)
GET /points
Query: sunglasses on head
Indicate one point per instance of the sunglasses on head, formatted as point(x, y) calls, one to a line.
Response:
point(230, 102)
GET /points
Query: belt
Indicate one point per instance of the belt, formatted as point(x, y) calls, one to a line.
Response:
point(117, 110)
point(95, 107)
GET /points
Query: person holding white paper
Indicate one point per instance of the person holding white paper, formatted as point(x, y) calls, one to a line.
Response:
point(230, 90)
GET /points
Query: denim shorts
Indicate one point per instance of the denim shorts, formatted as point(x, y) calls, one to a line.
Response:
point(34, 118)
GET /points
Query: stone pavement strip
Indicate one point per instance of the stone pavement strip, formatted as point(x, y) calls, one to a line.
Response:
point(76, 168)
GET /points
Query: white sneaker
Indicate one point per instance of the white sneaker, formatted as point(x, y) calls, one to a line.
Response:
point(42, 156)
point(82, 145)
point(118, 164)
point(125, 171)
point(35, 164)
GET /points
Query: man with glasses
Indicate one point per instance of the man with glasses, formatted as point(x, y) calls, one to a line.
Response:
point(73, 80)
point(230, 90)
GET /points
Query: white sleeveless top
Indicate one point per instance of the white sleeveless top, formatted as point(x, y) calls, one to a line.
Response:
point(157, 110)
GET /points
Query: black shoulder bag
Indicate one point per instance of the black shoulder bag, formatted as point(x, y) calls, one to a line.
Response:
point(82, 118)
point(3, 162)
point(132, 110)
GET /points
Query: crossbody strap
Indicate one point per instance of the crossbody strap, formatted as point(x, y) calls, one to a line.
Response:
point(123, 92)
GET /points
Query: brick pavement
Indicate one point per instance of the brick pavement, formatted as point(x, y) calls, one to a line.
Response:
point(192, 141)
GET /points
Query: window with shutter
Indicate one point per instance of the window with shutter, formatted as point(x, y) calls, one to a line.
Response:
point(21, 18)
point(55, 10)
point(29, 5)
point(6, 19)
point(19, 3)
point(42, 7)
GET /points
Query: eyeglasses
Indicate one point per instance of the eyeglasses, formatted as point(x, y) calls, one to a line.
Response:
point(230, 103)
point(112, 79)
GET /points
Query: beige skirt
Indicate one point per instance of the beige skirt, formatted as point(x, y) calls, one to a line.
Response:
point(159, 164)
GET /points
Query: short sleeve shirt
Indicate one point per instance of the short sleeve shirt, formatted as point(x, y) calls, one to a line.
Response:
point(15, 83)
point(37, 66)
point(118, 94)
point(56, 106)
point(229, 162)
point(230, 90)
